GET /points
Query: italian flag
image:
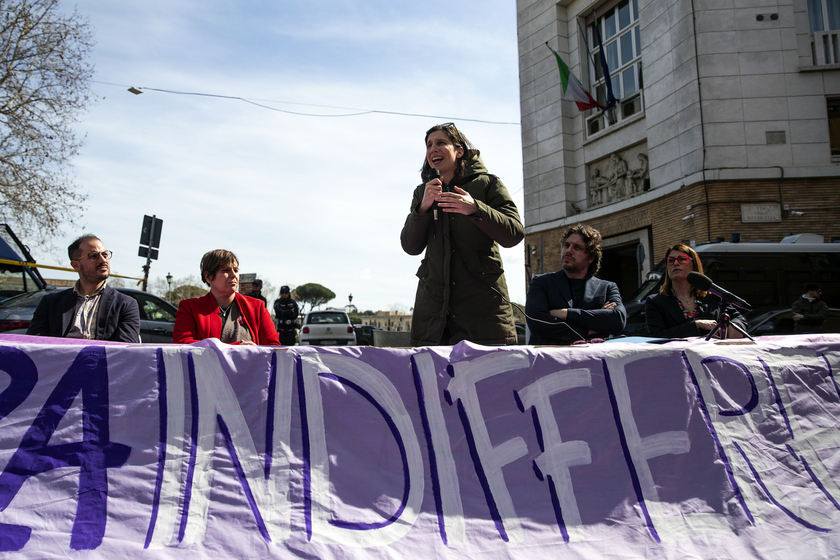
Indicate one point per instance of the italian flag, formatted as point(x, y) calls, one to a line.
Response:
point(572, 90)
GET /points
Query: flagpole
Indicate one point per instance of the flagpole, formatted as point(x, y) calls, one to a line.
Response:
point(586, 42)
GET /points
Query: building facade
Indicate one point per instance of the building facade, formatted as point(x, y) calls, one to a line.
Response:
point(726, 125)
point(388, 320)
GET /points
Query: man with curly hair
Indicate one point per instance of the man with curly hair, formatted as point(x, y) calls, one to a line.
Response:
point(571, 304)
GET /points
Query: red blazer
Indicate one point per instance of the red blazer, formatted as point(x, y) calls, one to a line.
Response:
point(198, 318)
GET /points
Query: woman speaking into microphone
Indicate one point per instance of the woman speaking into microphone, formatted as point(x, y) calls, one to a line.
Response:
point(460, 218)
point(681, 310)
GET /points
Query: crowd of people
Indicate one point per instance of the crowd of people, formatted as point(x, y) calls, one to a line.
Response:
point(459, 216)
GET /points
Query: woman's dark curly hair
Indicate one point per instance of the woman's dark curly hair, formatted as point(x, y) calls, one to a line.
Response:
point(459, 141)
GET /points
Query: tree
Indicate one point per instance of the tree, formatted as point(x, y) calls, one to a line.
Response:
point(313, 294)
point(44, 86)
point(182, 288)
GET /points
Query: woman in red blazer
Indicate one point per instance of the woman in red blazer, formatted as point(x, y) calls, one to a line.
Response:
point(223, 313)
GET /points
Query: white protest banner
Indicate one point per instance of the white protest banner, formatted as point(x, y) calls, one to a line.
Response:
point(617, 450)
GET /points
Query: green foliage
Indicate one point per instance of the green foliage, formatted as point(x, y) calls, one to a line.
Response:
point(182, 288)
point(313, 294)
point(187, 291)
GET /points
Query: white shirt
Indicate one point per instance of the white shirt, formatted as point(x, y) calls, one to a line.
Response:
point(84, 318)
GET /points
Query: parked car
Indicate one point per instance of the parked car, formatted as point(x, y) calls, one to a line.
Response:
point(364, 334)
point(157, 316)
point(780, 321)
point(16, 279)
point(327, 328)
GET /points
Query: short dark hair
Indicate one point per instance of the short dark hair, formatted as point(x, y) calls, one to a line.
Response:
point(74, 251)
point(214, 260)
point(809, 286)
point(592, 237)
point(459, 141)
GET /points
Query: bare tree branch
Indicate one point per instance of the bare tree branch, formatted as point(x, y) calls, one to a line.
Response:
point(44, 88)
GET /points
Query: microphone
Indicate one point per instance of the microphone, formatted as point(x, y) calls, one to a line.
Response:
point(434, 173)
point(704, 284)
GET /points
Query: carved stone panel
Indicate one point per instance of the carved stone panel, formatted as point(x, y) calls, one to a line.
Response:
point(612, 179)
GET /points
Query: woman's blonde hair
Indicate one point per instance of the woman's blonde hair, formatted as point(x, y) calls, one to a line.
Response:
point(667, 289)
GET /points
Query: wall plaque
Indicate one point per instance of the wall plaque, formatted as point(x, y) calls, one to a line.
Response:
point(758, 213)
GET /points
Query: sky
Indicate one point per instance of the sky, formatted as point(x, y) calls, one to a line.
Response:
point(311, 180)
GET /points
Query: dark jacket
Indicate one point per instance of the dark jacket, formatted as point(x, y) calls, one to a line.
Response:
point(198, 318)
point(462, 265)
point(286, 313)
point(259, 297)
point(552, 291)
point(814, 313)
point(117, 319)
point(665, 319)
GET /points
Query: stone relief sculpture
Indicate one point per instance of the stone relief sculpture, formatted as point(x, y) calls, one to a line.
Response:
point(617, 182)
point(620, 175)
point(597, 186)
point(638, 176)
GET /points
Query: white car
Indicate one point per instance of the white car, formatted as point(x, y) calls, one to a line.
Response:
point(327, 328)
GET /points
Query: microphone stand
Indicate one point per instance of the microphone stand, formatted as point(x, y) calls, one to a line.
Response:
point(725, 322)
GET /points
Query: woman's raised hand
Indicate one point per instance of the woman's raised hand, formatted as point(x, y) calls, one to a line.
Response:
point(459, 202)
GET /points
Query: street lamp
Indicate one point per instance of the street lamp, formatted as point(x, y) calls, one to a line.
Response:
point(169, 281)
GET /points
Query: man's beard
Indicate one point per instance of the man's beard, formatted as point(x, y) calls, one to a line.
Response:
point(573, 267)
point(96, 276)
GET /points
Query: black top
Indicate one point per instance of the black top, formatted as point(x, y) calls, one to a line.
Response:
point(583, 298)
point(665, 318)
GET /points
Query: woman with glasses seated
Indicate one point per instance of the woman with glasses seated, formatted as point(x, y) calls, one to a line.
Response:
point(680, 310)
point(460, 214)
point(223, 313)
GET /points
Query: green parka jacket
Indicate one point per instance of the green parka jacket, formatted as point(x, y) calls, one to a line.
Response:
point(462, 264)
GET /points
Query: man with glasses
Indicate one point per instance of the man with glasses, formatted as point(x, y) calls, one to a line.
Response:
point(90, 310)
point(809, 312)
point(571, 305)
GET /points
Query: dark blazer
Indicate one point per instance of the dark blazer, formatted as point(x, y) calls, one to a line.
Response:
point(118, 318)
point(552, 291)
point(665, 319)
point(198, 318)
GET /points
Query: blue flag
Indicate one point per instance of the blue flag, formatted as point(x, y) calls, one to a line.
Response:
point(607, 81)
